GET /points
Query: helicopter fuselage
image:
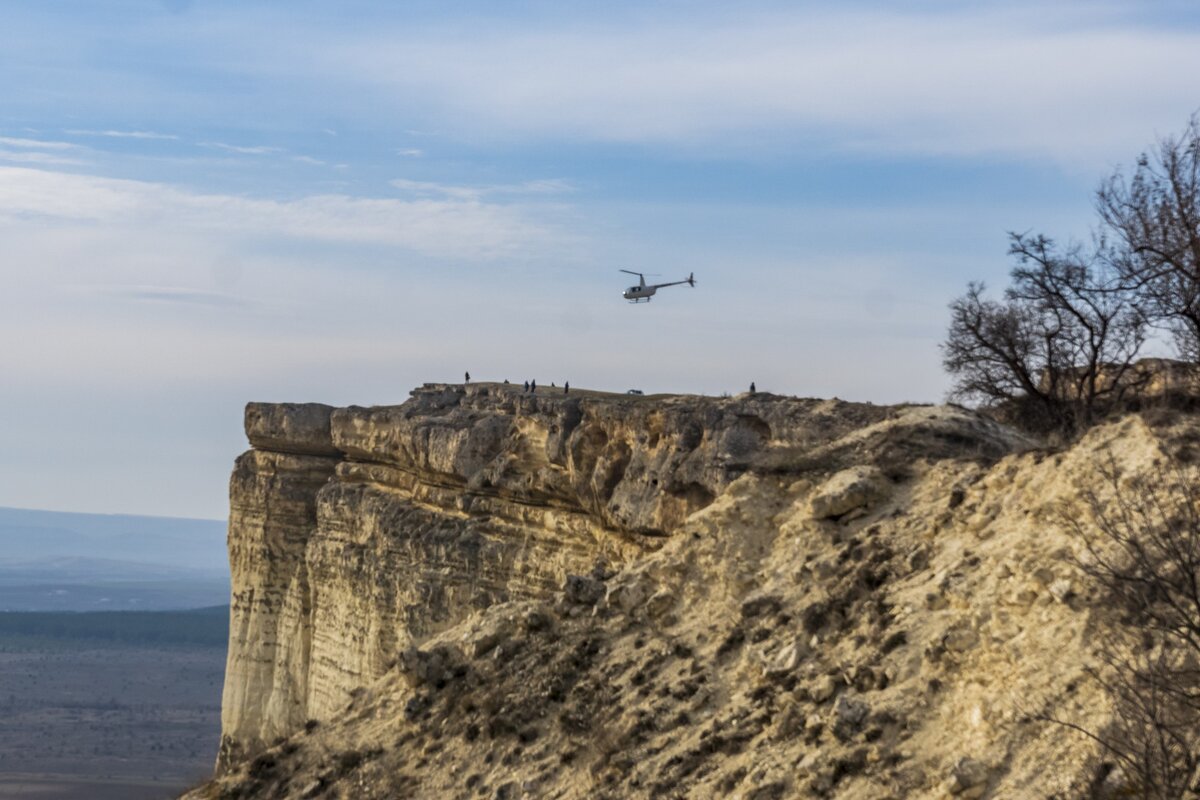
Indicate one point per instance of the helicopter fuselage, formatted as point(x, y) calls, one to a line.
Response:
point(637, 294)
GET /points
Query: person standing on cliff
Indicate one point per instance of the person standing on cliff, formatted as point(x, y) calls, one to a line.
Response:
point(566, 387)
point(466, 377)
point(533, 386)
point(526, 386)
point(752, 389)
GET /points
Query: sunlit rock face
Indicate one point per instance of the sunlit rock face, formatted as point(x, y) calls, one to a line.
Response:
point(272, 519)
point(356, 532)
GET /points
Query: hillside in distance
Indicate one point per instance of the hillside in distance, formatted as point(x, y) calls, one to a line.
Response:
point(64, 561)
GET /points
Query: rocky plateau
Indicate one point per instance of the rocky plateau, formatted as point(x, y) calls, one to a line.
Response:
point(488, 593)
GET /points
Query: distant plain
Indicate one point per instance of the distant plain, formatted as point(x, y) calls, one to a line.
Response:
point(123, 703)
point(113, 634)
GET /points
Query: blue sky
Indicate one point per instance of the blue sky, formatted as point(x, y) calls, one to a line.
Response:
point(204, 203)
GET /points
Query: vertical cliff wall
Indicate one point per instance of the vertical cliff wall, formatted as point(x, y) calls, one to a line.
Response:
point(272, 518)
point(356, 532)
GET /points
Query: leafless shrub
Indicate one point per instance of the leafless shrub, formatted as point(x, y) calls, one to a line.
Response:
point(1058, 348)
point(1141, 540)
point(1143, 547)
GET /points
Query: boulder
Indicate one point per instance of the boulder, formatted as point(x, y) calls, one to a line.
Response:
point(483, 637)
point(849, 714)
point(302, 428)
point(848, 490)
point(787, 659)
point(823, 689)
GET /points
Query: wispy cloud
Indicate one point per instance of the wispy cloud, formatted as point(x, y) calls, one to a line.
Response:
point(124, 134)
point(36, 144)
point(410, 152)
point(474, 193)
point(258, 150)
point(432, 189)
point(450, 225)
point(316, 162)
point(177, 295)
point(541, 186)
point(27, 157)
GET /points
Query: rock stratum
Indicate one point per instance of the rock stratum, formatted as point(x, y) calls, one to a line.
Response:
point(488, 593)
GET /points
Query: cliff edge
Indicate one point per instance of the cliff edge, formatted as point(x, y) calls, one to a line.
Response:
point(488, 593)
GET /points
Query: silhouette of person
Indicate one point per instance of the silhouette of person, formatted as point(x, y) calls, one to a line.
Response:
point(566, 387)
point(466, 377)
point(752, 389)
point(533, 385)
point(526, 386)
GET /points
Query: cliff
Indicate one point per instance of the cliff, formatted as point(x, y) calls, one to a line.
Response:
point(483, 592)
point(354, 532)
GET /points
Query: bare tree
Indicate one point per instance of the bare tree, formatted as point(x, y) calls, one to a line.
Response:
point(1142, 545)
point(1151, 227)
point(1060, 344)
point(1153, 741)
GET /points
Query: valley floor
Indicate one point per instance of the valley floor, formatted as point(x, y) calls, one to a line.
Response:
point(54, 787)
point(81, 718)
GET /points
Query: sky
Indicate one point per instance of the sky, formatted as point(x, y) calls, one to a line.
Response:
point(209, 202)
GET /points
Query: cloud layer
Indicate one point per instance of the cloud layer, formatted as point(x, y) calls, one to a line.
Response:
point(1069, 83)
point(453, 224)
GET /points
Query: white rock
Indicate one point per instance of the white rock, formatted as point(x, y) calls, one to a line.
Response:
point(490, 632)
point(787, 659)
point(809, 764)
point(857, 487)
point(823, 689)
point(1061, 589)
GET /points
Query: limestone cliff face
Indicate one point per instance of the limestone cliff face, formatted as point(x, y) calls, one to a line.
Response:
point(794, 598)
point(356, 532)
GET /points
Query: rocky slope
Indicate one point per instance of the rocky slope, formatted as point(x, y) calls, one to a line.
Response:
point(485, 593)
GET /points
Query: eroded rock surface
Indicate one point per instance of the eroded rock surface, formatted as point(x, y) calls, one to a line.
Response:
point(759, 651)
point(358, 534)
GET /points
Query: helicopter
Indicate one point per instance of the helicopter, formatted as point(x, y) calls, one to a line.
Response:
point(636, 294)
